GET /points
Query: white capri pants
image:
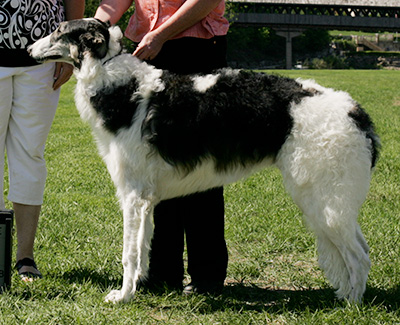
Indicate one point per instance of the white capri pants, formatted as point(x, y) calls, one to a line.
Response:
point(28, 104)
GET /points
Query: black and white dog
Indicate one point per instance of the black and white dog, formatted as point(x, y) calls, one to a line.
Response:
point(163, 135)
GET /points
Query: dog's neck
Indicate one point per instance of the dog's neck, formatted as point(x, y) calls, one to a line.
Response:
point(93, 70)
point(116, 69)
point(114, 45)
point(111, 57)
point(110, 72)
point(113, 70)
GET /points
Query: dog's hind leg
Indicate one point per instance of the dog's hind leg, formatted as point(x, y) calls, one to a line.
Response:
point(138, 230)
point(330, 186)
point(342, 249)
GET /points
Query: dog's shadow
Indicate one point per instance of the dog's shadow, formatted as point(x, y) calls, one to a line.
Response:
point(253, 298)
point(100, 279)
point(275, 301)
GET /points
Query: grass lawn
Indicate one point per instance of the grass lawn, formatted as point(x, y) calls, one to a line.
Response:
point(350, 33)
point(273, 275)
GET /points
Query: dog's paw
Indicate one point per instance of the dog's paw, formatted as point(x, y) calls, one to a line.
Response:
point(116, 296)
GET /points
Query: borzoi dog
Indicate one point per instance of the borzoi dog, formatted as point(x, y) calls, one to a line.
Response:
point(164, 135)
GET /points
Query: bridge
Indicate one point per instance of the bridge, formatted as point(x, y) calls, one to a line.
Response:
point(291, 17)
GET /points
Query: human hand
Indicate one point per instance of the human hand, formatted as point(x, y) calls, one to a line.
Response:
point(149, 47)
point(62, 74)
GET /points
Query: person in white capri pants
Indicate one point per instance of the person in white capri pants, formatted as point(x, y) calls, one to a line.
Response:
point(29, 95)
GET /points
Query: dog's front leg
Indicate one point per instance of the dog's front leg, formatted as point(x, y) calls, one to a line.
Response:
point(138, 231)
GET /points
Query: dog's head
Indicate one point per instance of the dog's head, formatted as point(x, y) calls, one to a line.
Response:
point(73, 40)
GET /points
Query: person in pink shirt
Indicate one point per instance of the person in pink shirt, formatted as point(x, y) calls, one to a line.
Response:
point(183, 37)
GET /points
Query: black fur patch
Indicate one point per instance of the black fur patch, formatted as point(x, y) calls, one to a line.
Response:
point(243, 118)
point(116, 106)
point(364, 123)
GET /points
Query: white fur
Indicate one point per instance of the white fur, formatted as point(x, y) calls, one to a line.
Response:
point(202, 83)
point(325, 163)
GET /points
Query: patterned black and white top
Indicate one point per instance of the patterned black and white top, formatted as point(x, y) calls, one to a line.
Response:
point(23, 22)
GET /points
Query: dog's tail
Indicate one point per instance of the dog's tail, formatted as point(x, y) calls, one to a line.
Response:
point(364, 123)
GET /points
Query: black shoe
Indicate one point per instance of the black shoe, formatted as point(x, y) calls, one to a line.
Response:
point(28, 276)
point(203, 287)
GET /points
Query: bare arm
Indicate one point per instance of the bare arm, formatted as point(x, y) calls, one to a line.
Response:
point(74, 9)
point(112, 10)
point(190, 13)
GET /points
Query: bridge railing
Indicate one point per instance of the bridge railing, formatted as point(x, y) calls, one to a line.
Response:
point(317, 16)
point(307, 9)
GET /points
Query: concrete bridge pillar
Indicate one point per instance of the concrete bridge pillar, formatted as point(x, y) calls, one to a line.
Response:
point(289, 34)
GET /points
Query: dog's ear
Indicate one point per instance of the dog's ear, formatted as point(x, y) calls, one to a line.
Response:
point(95, 43)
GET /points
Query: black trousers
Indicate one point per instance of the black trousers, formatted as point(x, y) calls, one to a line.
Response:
point(200, 216)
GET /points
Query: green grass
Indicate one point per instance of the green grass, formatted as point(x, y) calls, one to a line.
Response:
point(350, 33)
point(273, 276)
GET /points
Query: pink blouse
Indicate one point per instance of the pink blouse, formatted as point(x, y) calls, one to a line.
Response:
point(150, 14)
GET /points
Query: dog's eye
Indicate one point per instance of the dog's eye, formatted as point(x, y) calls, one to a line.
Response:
point(56, 33)
point(54, 36)
point(62, 27)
